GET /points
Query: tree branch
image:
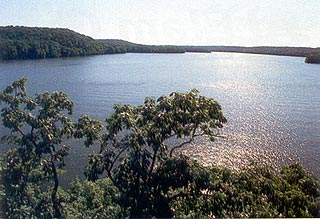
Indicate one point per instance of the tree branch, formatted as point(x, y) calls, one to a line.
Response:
point(180, 145)
point(114, 161)
point(186, 142)
point(54, 198)
point(153, 159)
point(20, 131)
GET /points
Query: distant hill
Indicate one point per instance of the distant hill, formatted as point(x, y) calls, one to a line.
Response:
point(128, 47)
point(18, 42)
point(38, 43)
point(266, 50)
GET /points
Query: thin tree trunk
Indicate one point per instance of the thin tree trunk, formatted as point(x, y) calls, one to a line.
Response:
point(54, 198)
point(153, 160)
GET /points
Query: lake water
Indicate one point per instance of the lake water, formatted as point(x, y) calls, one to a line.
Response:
point(272, 103)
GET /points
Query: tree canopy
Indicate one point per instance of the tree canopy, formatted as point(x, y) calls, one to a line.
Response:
point(38, 128)
point(136, 141)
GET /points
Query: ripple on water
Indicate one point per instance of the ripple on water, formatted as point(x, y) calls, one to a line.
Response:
point(238, 151)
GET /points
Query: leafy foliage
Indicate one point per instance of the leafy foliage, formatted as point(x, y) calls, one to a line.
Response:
point(136, 138)
point(38, 128)
point(255, 192)
point(87, 199)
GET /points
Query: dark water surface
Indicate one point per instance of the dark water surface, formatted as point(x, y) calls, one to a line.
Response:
point(272, 103)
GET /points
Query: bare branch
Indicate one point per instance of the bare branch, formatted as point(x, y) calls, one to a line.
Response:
point(180, 145)
point(20, 131)
point(115, 159)
point(186, 142)
point(153, 160)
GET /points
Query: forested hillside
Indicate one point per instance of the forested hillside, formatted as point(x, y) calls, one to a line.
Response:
point(265, 50)
point(125, 46)
point(39, 43)
point(17, 42)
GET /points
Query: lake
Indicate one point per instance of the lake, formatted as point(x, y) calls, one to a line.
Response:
point(272, 103)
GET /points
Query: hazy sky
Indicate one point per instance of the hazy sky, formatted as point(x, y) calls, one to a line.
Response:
point(196, 22)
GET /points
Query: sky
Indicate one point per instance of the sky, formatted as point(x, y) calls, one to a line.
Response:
point(176, 22)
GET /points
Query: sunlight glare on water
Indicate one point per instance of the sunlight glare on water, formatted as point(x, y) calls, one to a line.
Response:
point(258, 129)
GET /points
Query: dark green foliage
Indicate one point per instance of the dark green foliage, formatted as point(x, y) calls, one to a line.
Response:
point(121, 46)
point(135, 142)
point(39, 43)
point(266, 50)
point(313, 58)
point(23, 199)
point(255, 192)
point(38, 128)
point(87, 199)
point(125, 46)
point(99, 199)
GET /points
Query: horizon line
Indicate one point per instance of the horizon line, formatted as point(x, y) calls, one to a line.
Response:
point(195, 45)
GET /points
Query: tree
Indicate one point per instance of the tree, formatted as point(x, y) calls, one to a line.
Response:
point(137, 139)
point(313, 58)
point(38, 127)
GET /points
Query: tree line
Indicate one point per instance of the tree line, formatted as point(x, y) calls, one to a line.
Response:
point(128, 47)
point(18, 42)
point(313, 58)
point(265, 50)
point(39, 43)
point(134, 172)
